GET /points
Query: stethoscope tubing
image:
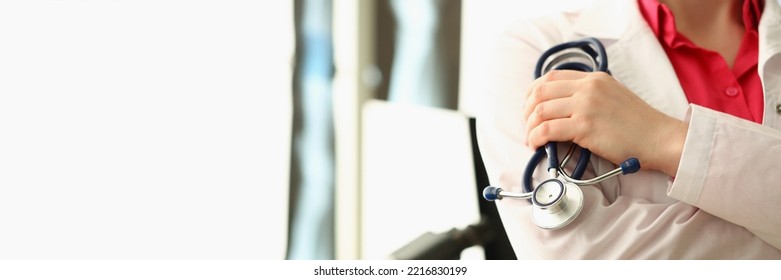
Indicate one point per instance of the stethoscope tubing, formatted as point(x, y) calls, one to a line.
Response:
point(596, 52)
point(590, 46)
point(561, 198)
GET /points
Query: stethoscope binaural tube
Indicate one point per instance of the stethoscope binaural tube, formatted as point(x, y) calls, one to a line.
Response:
point(629, 166)
point(558, 201)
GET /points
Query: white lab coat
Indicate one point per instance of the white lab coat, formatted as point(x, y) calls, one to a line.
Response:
point(724, 203)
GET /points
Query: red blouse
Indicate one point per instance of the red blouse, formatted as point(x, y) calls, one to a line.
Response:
point(705, 76)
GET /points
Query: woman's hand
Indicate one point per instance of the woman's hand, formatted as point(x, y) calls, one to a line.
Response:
point(596, 112)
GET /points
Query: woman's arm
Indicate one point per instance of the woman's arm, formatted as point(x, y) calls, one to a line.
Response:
point(730, 169)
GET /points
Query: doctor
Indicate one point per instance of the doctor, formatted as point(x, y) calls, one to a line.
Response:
point(695, 95)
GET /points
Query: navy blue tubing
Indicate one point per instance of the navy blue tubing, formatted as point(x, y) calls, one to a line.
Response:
point(594, 49)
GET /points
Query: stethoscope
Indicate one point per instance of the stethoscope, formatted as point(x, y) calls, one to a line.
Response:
point(557, 201)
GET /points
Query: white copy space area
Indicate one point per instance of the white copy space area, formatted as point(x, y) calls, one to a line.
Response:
point(418, 176)
point(144, 129)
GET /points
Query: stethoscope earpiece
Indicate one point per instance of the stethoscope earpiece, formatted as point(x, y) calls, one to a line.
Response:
point(491, 193)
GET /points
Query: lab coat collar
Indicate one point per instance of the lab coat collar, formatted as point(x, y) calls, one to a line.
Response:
point(607, 19)
point(769, 27)
point(769, 65)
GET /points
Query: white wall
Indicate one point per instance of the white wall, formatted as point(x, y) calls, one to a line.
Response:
point(144, 129)
point(417, 176)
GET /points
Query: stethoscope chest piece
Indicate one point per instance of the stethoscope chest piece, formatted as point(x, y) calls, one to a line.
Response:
point(557, 203)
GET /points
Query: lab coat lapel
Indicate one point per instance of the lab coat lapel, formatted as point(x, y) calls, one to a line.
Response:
point(635, 56)
point(769, 66)
point(770, 31)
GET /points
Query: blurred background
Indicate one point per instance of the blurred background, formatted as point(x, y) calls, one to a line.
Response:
point(303, 129)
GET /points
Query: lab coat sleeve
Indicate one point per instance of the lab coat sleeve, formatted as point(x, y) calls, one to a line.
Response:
point(729, 168)
point(612, 225)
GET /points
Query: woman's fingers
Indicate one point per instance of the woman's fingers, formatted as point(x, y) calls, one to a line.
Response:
point(552, 130)
point(562, 75)
point(542, 92)
point(552, 109)
point(553, 76)
point(548, 98)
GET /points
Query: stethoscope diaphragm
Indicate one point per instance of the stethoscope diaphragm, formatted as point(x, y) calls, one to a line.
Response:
point(564, 203)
